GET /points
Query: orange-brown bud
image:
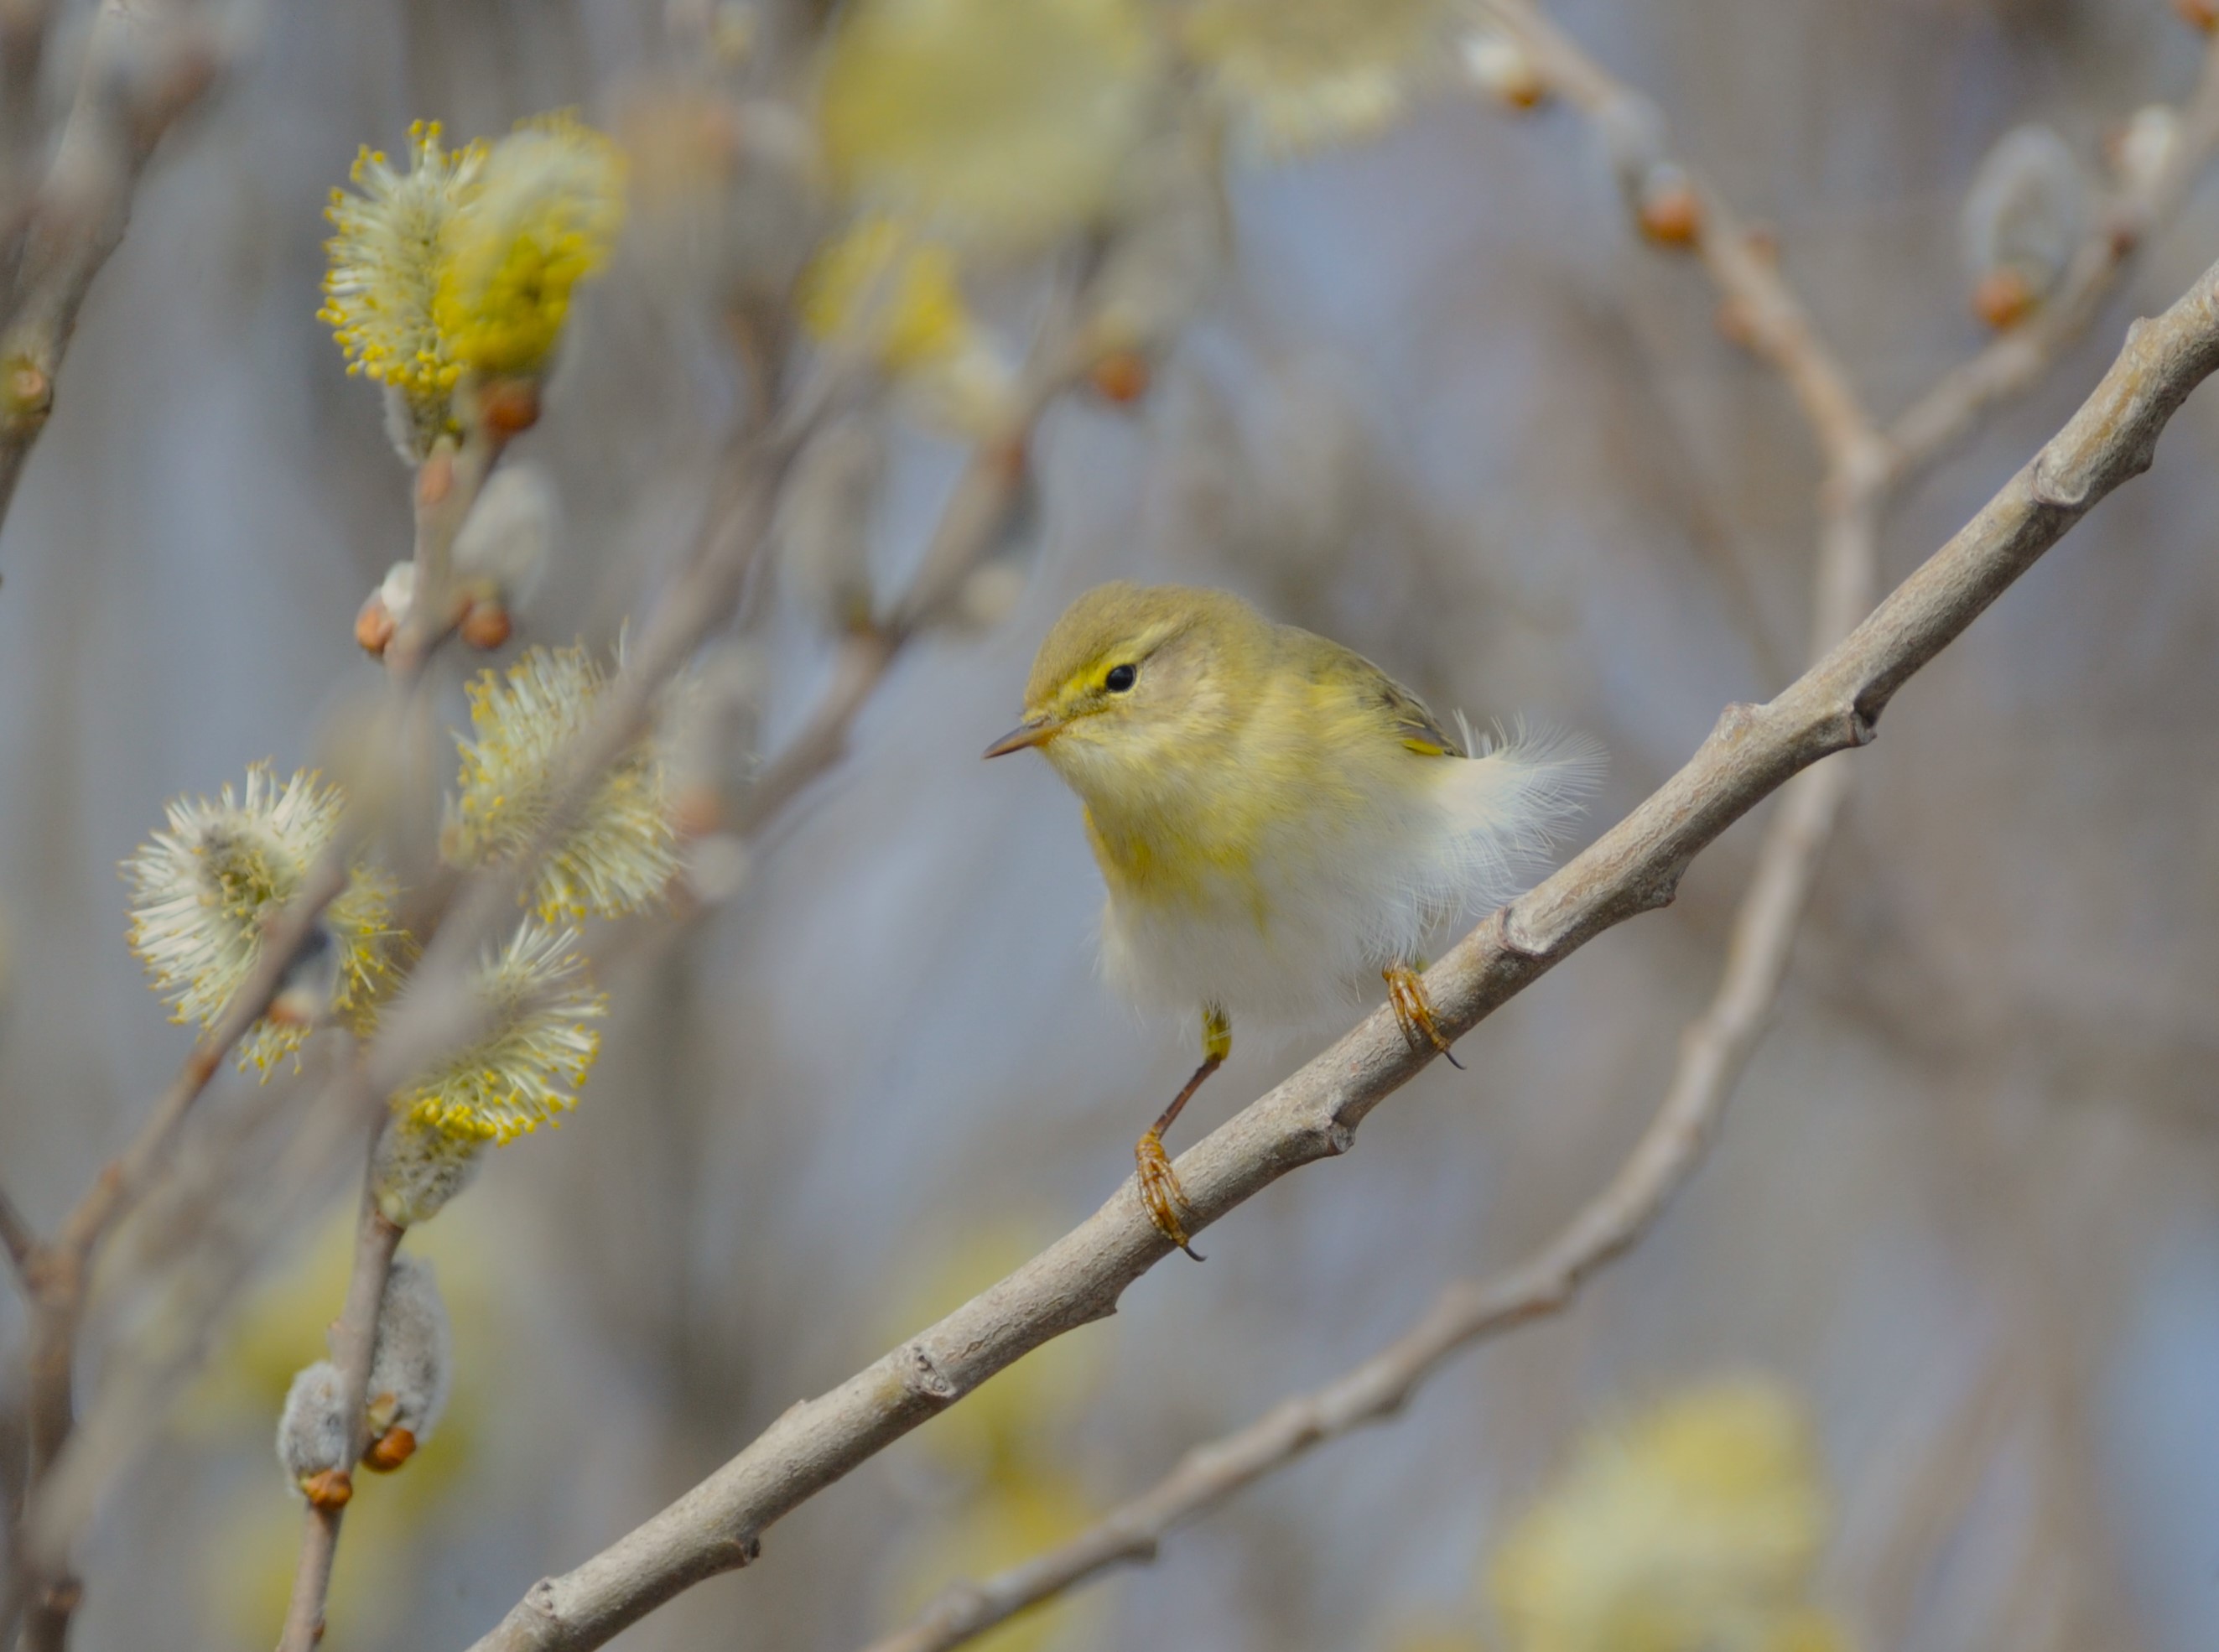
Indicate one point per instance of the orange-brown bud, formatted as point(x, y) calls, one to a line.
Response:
point(2003, 299)
point(1669, 211)
point(332, 1489)
point(486, 625)
point(2198, 13)
point(374, 626)
point(509, 406)
point(1121, 376)
point(389, 1450)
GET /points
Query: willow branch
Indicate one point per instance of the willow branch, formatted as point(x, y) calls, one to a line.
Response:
point(2017, 359)
point(353, 1340)
point(142, 71)
point(58, 1273)
point(1634, 867)
point(969, 524)
point(1714, 1050)
point(983, 496)
point(1779, 329)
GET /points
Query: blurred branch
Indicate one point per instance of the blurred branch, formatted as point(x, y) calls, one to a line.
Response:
point(24, 25)
point(965, 532)
point(16, 1237)
point(142, 71)
point(1777, 327)
point(58, 1274)
point(439, 1012)
point(1635, 868)
point(1777, 324)
point(981, 503)
point(353, 1340)
point(2018, 357)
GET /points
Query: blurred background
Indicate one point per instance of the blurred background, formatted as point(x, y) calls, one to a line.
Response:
point(1440, 400)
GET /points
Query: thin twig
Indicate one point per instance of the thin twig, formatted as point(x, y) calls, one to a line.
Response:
point(969, 524)
point(1634, 867)
point(439, 1012)
point(353, 1339)
point(974, 513)
point(63, 1269)
point(1778, 327)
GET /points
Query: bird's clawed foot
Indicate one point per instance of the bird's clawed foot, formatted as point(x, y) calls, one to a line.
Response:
point(1414, 1010)
point(1161, 1193)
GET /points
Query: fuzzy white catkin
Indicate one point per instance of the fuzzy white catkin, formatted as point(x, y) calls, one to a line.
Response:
point(2026, 210)
point(420, 1168)
point(413, 1361)
point(509, 534)
point(312, 1431)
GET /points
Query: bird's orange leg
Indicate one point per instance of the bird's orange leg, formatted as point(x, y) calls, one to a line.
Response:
point(1159, 1186)
point(1413, 1009)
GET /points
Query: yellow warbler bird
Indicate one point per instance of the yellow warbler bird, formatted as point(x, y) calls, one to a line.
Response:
point(1274, 816)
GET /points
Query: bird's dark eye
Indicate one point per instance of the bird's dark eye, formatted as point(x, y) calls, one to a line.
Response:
point(1120, 678)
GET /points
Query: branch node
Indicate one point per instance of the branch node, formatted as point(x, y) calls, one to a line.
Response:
point(924, 1376)
point(1863, 729)
point(2049, 489)
point(746, 1549)
point(1736, 720)
point(1516, 939)
point(1655, 893)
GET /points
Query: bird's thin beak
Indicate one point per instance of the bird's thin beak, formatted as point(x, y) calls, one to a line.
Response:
point(1033, 731)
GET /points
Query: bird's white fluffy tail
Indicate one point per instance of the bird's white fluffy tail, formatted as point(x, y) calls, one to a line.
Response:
point(1510, 803)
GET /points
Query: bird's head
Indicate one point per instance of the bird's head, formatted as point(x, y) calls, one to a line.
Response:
point(1138, 679)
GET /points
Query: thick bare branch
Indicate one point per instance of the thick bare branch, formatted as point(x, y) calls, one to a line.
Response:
point(1634, 867)
point(1713, 1051)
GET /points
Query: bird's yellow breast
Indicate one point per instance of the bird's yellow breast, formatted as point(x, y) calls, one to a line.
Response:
point(1231, 814)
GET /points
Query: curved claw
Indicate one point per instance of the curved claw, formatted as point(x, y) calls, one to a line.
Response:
point(1413, 1009)
point(1161, 1191)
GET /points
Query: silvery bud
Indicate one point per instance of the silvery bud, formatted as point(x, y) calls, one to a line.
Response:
point(312, 1431)
point(411, 1365)
point(503, 546)
point(419, 1168)
point(2027, 211)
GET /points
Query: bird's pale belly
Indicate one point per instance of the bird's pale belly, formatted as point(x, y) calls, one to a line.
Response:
point(1277, 947)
